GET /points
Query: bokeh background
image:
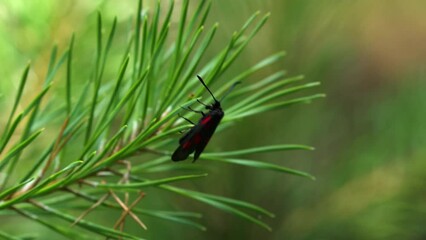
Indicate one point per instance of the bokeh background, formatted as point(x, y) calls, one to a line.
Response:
point(369, 133)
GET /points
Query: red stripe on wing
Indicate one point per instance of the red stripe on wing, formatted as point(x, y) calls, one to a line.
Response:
point(186, 145)
point(205, 120)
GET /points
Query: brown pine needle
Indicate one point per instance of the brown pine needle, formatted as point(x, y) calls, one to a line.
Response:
point(127, 210)
point(99, 202)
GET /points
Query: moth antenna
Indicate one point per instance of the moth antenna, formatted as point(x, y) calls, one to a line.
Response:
point(230, 90)
point(202, 82)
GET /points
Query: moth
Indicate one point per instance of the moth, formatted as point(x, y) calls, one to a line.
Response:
point(197, 138)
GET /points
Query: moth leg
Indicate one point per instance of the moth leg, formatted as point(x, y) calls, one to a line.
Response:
point(196, 111)
point(193, 110)
point(184, 131)
point(205, 105)
point(186, 119)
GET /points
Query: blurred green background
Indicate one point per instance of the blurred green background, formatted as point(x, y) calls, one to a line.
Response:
point(369, 133)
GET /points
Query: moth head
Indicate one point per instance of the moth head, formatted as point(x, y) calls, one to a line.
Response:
point(214, 105)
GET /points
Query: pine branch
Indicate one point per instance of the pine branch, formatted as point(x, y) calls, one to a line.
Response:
point(97, 149)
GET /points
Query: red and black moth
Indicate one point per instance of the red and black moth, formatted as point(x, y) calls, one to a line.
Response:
point(196, 139)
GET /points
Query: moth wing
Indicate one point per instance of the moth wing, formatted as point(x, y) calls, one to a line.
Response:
point(190, 134)
point(187, 144)
point(209, 127)
point(180, 154)
point(198, 137)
